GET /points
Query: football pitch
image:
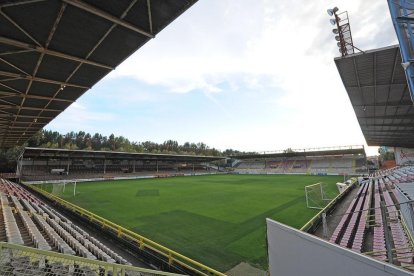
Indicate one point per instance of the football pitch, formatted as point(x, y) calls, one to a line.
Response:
point(218, 220)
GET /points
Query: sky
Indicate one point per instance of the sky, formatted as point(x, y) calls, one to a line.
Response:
point(251, 75)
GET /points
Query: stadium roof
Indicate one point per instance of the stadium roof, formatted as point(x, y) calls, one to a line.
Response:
point(40, 153)
point(53, 51)
point(377, 87)
point(327, 151)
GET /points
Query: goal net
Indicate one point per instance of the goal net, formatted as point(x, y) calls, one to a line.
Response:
point(317, 195)
point(64, 188)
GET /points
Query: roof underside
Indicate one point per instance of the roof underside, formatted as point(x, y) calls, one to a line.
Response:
point(46, 153)
point(53, 51)
point(377, 87)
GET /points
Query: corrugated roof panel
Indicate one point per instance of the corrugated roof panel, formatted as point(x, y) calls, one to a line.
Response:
point(385, 111)
point(62, 48)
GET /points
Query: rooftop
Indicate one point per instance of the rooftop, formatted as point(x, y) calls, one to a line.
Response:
point(52, 52)
point(377, 87)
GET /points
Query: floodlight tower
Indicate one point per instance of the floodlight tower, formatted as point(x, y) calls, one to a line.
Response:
point(342, 31)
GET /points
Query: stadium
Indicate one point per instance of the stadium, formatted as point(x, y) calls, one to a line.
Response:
point(298, 211)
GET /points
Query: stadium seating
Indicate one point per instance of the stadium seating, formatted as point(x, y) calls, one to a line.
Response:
point(89, 169)
point(29, 221)
point(303, 165)
point(375, 200)
point(351, 229)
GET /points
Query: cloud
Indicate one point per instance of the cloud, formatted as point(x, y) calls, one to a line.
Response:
point(80, 117)
point(217, 40)
point(267, 66)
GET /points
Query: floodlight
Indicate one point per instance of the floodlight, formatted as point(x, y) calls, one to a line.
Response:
point(405, 65)
point(337, 38)
point(333, 21)
point(332, 11)
point(335, 31)
point(339, 44)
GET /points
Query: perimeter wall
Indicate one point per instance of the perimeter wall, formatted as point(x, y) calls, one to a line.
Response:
point(293, 252)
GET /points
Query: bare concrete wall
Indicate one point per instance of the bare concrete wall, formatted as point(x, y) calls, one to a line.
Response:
point(293, 252)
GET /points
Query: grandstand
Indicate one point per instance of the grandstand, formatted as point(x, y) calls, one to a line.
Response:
point(350, 160)
point(29, 221)
point(42, 164)
point(371, 212)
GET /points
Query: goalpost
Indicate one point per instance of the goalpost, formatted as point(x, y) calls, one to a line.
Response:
point(60, 188)
point(65, 187)
point(317, 196)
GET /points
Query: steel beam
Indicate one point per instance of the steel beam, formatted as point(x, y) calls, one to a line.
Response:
point(149, 15)
point(13, 66)
point(5, 94)
point(390, 132)
point(19, 27)
point(376, 85)
point(383, 136)
point(91, 9)
point(20, 134)
point(19, 3)
point(15, 52)
point(42, 50)
point(26, 116)
point(408, 116)
point(16, 127)
point(6, 123)
point(5, 106)
point(32, 78)
point(393, 104)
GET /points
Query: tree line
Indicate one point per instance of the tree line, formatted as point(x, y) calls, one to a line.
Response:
point(85, 141)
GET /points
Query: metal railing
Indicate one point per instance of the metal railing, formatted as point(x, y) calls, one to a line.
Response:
point(318, 217)
point(141, 241)
point(21, 260)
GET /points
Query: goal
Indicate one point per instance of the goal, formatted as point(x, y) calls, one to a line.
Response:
point(66, 187)
point(317, 196)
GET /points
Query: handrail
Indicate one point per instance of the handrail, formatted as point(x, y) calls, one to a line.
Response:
point(106, 265)
point(310, 223)
point(141, 241)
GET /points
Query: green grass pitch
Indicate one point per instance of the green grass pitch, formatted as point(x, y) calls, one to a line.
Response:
point(218, 220)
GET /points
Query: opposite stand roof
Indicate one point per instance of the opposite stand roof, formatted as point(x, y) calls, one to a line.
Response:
point(377, 87)
point(46, 153)
point(52, 51)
